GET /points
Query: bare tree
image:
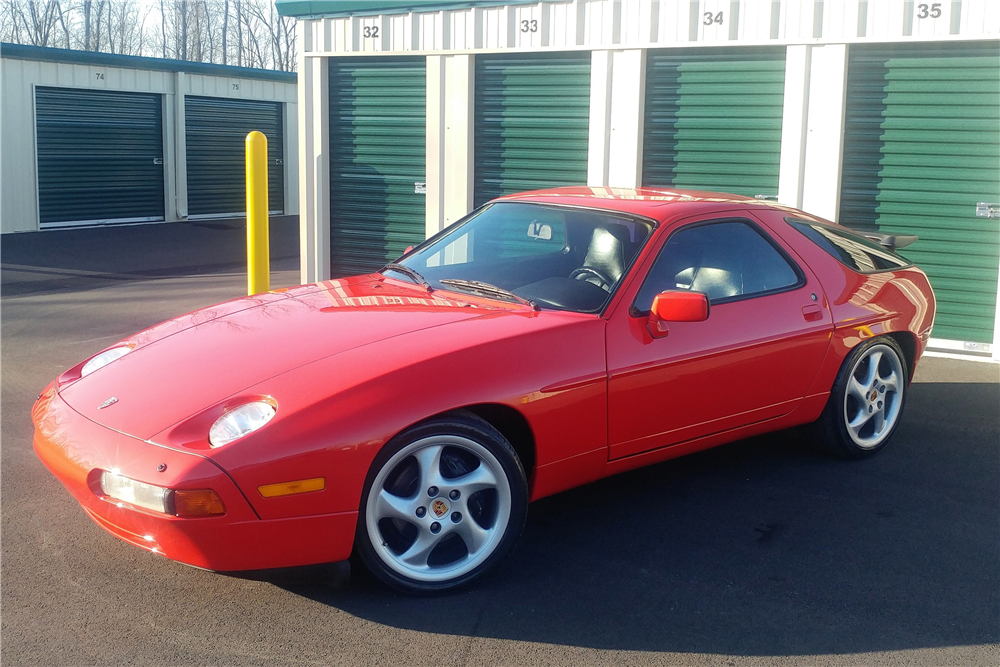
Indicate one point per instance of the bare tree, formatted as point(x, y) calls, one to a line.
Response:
point(163, 28)
point(31, 22)
point(247, 33)
point(62, 22)
point(225, 31)
point(278, 29)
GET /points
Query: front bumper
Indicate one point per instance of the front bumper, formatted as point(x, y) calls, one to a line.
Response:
point(75, 449)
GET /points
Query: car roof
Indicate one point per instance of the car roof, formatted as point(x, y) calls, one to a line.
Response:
point(660, 204)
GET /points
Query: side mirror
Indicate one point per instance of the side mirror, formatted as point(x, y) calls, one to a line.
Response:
point(676, 306)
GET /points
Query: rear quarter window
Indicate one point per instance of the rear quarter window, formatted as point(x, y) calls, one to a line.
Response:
point(852, 250)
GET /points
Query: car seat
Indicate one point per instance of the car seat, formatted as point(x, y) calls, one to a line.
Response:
point(604, 263)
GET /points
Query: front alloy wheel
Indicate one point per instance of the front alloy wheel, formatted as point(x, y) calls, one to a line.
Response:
point(445, 503)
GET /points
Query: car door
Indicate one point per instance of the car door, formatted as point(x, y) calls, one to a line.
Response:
point(752, 359)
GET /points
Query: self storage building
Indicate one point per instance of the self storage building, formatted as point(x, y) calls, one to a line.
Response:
point(94, 138)
point(879, 114)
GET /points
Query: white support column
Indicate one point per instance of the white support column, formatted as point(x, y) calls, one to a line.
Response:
point(314, 168)
point(450, 141)
point(290, 159)
point(628, 97)
point(167, 131)
point(600, 118)
point(434, 169)
point(617, 99)
point(180, 147)
point(825, 131)
point(793, 125)
point(996, 325)
point(459, 143)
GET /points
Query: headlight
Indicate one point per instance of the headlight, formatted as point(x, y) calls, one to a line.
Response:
point(182, 502)
point(240, 421)
point(140, 494)
point(104, 358)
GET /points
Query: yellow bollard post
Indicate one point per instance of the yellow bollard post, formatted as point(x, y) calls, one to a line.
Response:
point(258, 251)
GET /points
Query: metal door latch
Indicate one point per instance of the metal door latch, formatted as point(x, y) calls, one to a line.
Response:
point(766, 197)
point(985, 210)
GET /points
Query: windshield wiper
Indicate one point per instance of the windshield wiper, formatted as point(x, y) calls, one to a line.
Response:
point(409, 272)
point(488, 290)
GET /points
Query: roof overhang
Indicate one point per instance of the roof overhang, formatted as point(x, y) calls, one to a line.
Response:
point(75, 57)
point(313, 8)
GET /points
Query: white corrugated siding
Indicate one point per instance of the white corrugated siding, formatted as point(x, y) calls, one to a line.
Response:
point(650, 23)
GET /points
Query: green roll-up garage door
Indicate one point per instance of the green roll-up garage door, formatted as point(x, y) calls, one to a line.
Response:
point(100, 156)
point(215, 131)
point(713, 120)
point(532, 121)
point(921, 148)
point(377, 154)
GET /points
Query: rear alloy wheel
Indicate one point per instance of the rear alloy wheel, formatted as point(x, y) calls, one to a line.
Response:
point(444, 503)
point(866, 400)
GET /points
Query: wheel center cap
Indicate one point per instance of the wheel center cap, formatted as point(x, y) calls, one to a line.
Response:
point(439, 507)
point(874, 395)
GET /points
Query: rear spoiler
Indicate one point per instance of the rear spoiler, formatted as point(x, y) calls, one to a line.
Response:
point(889, 241)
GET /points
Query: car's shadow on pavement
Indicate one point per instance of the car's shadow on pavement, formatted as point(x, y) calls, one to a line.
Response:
point(761, 547)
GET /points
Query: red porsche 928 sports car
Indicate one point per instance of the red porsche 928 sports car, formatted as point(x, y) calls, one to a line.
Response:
point(545, 341)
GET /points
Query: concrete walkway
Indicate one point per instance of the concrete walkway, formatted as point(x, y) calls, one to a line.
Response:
point(83, 258)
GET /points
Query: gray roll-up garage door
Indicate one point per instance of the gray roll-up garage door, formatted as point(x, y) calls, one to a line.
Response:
point(100, 156)
point(713, 120)
point(378, 110)
point(532, 122)
point(216, 130)
point(921, 148)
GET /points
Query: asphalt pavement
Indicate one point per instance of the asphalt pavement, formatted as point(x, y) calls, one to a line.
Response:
point(758, 552)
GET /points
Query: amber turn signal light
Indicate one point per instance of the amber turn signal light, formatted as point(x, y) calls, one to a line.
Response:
point(291, 488)
point(201, 502)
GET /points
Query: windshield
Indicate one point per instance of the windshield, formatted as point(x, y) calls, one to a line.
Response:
point(553, 256)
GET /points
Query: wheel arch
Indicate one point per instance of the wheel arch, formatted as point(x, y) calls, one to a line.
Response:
point(512, 425)
point(908, 343)
point(510, 422)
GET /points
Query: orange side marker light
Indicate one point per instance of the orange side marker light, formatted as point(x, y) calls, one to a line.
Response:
point(292, 488)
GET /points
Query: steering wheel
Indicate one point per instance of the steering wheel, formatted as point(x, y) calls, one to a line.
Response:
point(585, 271)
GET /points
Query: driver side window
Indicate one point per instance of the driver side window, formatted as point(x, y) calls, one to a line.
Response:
point(727, 260)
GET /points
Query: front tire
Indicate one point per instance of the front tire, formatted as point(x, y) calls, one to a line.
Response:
point(866, 401)
point(444, 503)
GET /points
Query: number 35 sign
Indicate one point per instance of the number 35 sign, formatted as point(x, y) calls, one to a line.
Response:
point(932, 11)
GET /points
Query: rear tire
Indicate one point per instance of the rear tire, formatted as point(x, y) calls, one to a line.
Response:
point(866, 401)
point(444, 503)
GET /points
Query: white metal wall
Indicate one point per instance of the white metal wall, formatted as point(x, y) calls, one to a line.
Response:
point(602, 24)
point(18, 78)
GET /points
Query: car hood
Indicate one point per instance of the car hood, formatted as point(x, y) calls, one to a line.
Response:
point(187, 364)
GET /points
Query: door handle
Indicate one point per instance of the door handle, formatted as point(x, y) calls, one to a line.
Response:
point(812, 313)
